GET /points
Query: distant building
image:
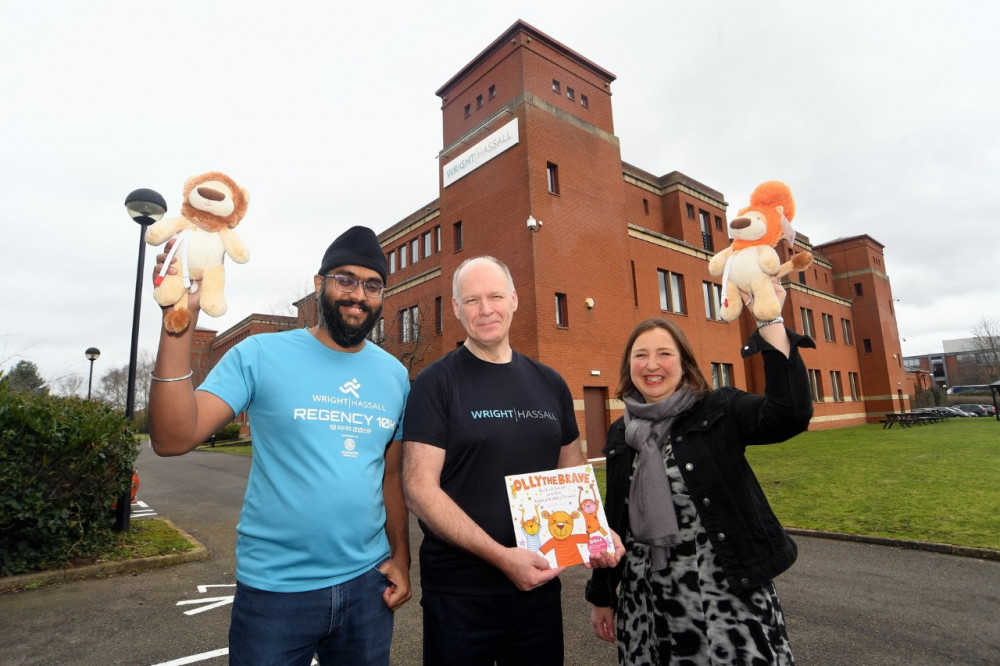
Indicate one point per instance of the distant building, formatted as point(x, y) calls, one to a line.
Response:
point(962, 366)
point(531, 172)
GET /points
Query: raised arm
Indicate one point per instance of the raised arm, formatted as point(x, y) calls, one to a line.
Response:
point(422, 464)
point(180, 418)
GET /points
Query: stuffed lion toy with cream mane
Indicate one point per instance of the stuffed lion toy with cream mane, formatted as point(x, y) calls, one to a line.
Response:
point(213, 205)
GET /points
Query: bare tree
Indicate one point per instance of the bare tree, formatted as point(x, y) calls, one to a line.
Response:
point(408, 334)
point(986, 347)
point(113, 387)
point(71, 384)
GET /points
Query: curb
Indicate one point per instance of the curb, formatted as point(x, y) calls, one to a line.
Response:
point(929, 546)
point(196, 554)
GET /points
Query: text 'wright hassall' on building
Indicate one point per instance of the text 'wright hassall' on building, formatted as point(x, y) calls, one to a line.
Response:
point(531, 173)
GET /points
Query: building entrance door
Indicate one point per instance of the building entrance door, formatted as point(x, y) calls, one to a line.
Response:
point(595, 410)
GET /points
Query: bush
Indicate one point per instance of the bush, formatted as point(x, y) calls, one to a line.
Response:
point(229, 433)
point(931, 397)
point(63, 462)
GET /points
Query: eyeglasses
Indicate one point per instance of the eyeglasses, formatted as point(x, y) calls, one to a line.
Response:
point(348, 284)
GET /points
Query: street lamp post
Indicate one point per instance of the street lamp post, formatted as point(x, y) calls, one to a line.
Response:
point(144, 207)
point(92, 354)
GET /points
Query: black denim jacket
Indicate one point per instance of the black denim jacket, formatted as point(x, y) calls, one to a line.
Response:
point(709, 444)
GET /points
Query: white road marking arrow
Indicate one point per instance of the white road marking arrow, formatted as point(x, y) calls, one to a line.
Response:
point(210, 603)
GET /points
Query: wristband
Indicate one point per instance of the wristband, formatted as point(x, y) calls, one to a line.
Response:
point(777, 320)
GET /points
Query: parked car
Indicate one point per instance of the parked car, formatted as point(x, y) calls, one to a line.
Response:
point(974, 410)
point(952, 411)
point(990, 410)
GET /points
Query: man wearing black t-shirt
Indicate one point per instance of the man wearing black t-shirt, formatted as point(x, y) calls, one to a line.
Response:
point(474, 416)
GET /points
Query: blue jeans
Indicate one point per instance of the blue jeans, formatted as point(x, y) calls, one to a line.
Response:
point(344, 624)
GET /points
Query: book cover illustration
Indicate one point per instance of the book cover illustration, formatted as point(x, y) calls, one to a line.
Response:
point(559, 514)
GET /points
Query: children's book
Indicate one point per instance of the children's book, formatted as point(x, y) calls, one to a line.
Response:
point(559, 514)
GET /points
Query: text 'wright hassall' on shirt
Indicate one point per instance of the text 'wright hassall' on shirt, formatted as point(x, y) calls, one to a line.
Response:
point(492, 419)
point(320, 419)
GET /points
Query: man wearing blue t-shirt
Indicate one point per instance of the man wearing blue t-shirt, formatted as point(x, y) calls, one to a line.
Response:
point(322, 550)
point(477, 414)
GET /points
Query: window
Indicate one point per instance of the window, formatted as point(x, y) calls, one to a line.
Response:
point(807, 322)
point(645, 206)
point(722, 375)
point(829, 332)
point(402, 256)
point(571, 93)
point(414, 250)
point(671, 291)
point(437, 238)
point(816, 385)
point(703, 220)
point(438, 316)
point(635, 288)
point(457, 228)
point(392, 261)
point(468, 110)
point(706, 230)
point(479, 101)
point(718, 223)
point(867, 344)
point(377, 334)
point(410, 324)
point(584, 102)
point(713, 297)
point(552, 172)
point(428, 248)
point(835, 385)
point(852, 379)
point(858, 292)
point(562, 312)
point(493, 92)
point(689, 209)
point(555, 86)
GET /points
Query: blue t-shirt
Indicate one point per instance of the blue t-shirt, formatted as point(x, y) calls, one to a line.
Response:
point(320, 420)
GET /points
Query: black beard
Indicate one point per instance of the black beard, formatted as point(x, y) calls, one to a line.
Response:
point(343, 333)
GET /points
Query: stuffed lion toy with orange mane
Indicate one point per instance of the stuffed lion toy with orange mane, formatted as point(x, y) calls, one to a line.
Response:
point(213, 205)
point(749, 263)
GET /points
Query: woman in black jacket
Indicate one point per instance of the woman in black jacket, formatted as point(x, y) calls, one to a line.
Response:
point(702, 543)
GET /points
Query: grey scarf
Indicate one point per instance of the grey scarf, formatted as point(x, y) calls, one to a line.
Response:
point(651, 512)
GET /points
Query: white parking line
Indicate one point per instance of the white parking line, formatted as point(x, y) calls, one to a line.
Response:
point(195, 658)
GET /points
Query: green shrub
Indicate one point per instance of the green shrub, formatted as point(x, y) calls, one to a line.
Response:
point(63, 463)
point(931, 397)
point(229, 433)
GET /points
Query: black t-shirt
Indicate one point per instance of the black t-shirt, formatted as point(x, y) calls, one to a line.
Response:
point(492, 420)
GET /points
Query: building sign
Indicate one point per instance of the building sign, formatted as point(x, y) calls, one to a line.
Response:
point(481, 153)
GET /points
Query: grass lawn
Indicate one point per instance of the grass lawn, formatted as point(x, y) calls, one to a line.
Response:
point(238, 449)
point(938, 482)
point(146, 538)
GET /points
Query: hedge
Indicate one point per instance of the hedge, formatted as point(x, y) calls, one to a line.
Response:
point(63, 462)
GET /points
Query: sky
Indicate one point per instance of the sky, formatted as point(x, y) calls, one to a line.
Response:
point(880, 116)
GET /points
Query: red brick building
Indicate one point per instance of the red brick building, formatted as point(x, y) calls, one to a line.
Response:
point(531, 173)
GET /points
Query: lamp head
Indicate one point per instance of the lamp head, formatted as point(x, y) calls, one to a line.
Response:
point(145, 206)
point(92, 353)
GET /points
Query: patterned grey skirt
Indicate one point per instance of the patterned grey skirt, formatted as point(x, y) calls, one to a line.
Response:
point(687, 615)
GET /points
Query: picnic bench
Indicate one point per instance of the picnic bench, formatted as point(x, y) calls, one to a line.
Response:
point(907, 419)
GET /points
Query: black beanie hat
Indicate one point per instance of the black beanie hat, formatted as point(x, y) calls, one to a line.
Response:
point(357, 246)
